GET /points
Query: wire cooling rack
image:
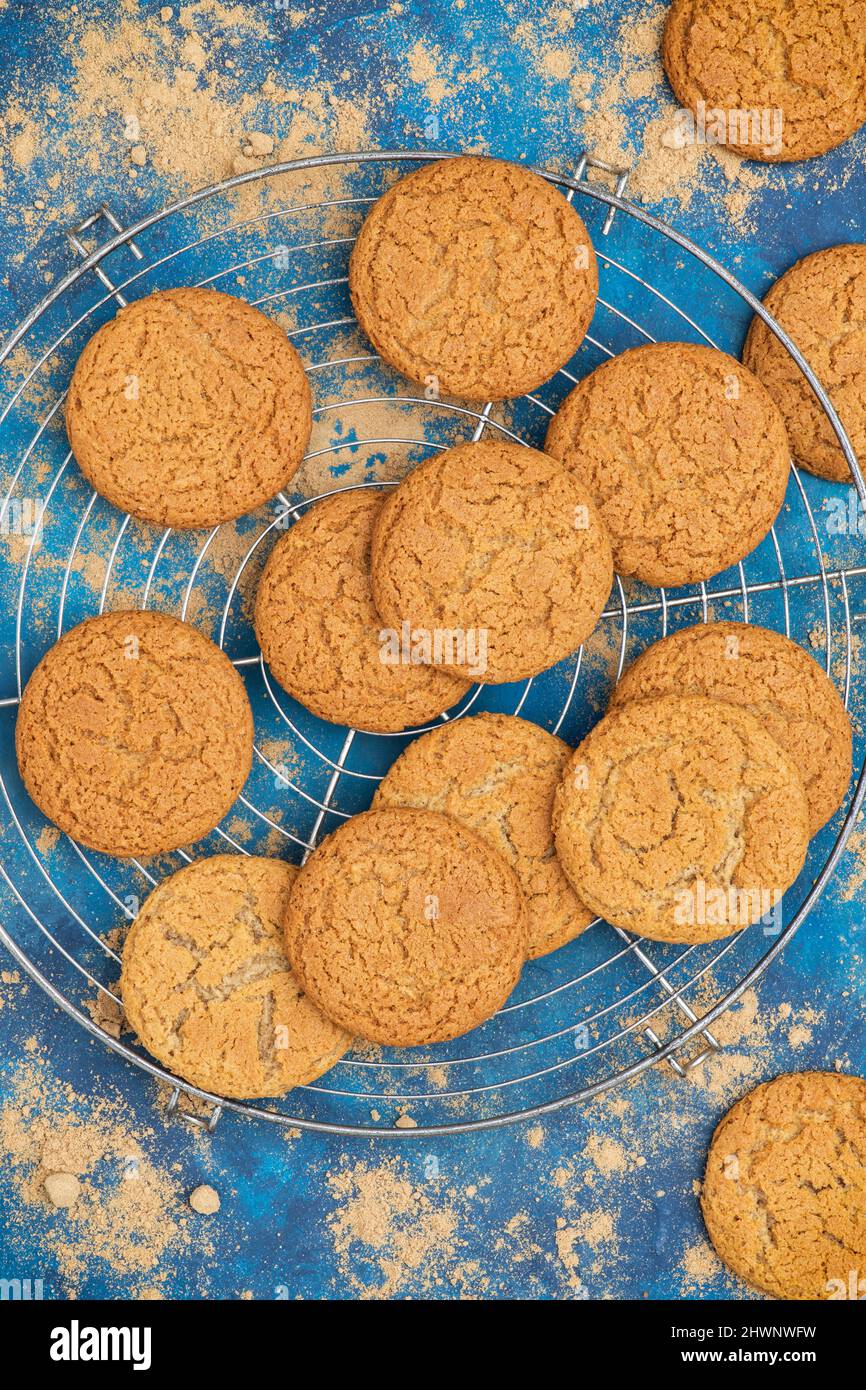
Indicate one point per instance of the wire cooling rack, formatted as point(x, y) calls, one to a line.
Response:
point(604, 1007)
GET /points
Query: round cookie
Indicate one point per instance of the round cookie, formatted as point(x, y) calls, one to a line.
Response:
point(787, 76)
point(499, 546)
point(821, 304)
point(319, 630)
point(774, 679)
point(497, 775)
point(684, 453)
point(474, 276)
point(134, 733)
point(785, 1187)
point(208, 988)
point(681, 819)
point(406, 928)
point(189, 408)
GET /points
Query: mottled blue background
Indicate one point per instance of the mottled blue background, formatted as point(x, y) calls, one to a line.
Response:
point(595, 1201)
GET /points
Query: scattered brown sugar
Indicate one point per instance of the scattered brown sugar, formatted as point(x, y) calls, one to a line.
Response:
point(699, 1265)
point(112, 1203)
point(153, 97)
point(566, 1239)
point(854, 866)
point(607, 1155)
point(383, 1216)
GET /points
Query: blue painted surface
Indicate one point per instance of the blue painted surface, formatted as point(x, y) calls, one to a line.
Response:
point(596, 1200)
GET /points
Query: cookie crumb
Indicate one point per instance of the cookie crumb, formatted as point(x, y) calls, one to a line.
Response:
point(63, 1189)
point(205, 1200)
point(405, 1122)
point(138, 155)
point(258, 144)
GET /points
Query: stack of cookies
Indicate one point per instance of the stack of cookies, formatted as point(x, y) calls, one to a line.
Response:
point(683, 816)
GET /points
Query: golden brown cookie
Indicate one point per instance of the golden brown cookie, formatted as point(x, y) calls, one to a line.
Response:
point(134, 734)
point(498, 775)
point(769, 675)
point(681, 819)
point(684, 453)
point(189, 408)
point(475, 277)
point(821, 304)
point(406, 928)
point(499, 546)
point(785, 1188)
point(209, 990)
point(773, 79)
point(319, 630)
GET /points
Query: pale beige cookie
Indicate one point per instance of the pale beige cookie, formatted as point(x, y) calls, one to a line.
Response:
point(499, 546)
point(821, 304)
point(474, 277)
point(773, 79)
point(134, 734)
point(681, 819)
point(188, 408)
point(774, 679)
point(684, 453)
point(498, 775)
point(208, 988)
point(320, 633)
point(406, 928)
point(785, 1188)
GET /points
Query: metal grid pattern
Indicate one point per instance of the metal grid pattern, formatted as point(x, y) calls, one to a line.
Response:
point(600, 1010)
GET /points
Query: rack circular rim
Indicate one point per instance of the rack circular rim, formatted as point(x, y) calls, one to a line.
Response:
point(614, 201)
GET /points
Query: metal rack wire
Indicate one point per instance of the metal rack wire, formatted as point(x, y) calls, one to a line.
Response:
point(600, 1010)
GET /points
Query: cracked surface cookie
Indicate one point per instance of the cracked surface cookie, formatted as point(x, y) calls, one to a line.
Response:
point(774, 679)
point(681, 819)
point(785, 1187)
point(684, 453)
point(209, 990)
point(319, 630)
point(134, 733)
point(497, 775)
point(406, 928)
point(476, 276)
point(787, 76)
point(188, 408)
point(821, 304)
point(500, 546)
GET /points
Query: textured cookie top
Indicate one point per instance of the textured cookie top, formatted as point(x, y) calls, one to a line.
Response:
point(803, 61)
point(189, 408)
point(685, 454)
point(321, 635)
point(681, 819)
point(772, 677)
point(498, 775)
point(134, 734)
point(406, 928)
point(476, 276)
point(785, 1187)
point(821, 304)
point(208, 988)
point(500, 545)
